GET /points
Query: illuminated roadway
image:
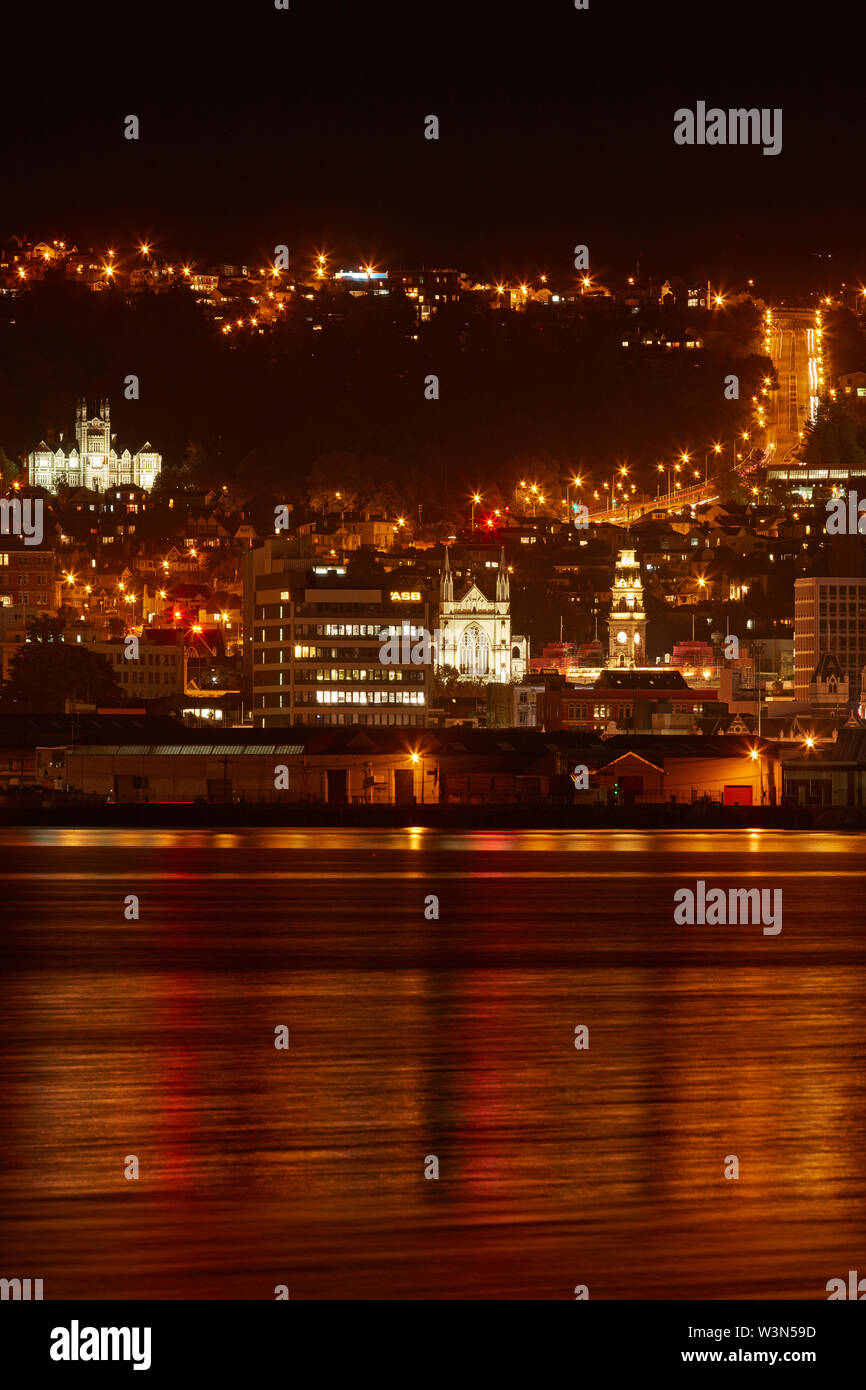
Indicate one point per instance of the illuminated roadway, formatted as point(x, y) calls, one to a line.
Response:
point(670, 502)
point(795, 351)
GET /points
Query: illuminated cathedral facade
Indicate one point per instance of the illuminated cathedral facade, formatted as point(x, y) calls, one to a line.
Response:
point(475, 630)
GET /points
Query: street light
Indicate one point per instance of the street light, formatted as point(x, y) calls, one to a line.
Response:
point(575, 482)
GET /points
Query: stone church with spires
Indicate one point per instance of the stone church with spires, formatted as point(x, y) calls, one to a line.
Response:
point(94, 461)
point(475, 631)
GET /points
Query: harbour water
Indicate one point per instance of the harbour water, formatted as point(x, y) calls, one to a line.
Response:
point(413, 1035)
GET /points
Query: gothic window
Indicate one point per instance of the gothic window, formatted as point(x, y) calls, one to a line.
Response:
point(473, 653)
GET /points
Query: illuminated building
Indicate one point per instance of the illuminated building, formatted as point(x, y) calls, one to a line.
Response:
point(829, 620)
point(627, 639)
point(314, 642)
point(478, 629)
point(93, 462)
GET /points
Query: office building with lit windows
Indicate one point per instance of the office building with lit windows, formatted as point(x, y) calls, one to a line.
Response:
point(315, 638)
point(829, 620)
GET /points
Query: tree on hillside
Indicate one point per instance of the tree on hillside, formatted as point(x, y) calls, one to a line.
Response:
point(831, 441)
point(46, 671)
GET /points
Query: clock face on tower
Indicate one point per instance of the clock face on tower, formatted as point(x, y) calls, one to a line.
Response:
point(637, 639)
point(622, 637)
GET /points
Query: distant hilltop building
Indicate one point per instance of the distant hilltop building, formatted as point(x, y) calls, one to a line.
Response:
point(94, 461)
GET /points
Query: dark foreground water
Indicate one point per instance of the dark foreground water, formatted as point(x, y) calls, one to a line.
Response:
point(412, 1037)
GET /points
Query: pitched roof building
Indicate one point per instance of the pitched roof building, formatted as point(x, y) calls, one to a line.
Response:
point(476, 630)
point(93, 462)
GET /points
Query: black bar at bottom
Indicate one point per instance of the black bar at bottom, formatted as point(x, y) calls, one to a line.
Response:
point(164, 1340)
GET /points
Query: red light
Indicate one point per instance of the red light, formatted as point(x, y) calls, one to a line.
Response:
point(489, 522)
point(177, 613)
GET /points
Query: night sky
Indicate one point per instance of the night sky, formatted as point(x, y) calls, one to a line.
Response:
point(261, 127)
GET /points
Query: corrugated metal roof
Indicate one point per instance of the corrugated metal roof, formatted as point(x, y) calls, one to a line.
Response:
point(203, 750)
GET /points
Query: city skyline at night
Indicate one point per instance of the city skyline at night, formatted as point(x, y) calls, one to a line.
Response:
point(432, 682)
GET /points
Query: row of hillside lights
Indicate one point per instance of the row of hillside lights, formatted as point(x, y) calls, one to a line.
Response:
point(130, 598)
point(252, 322)
point(759, 408)
point(529, 492)
point(616, 484)
point(476, 500)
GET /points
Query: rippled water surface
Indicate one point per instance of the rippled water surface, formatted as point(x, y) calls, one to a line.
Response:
point(412, 1037)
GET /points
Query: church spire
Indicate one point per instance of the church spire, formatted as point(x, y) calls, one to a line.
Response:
point(446, 585)
point(502, 585)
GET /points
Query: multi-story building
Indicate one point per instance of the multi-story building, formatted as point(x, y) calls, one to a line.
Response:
point(315, 639)
point(93, 462)
point(157, 671)
point(829, 620)
point(625, 698)
point(27, 578)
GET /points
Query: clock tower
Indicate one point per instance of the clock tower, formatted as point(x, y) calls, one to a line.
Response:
point(627, 633)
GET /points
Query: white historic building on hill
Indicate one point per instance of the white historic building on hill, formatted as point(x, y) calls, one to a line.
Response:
point(93, 462)
point(476, 631)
